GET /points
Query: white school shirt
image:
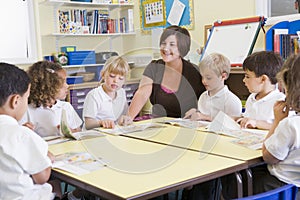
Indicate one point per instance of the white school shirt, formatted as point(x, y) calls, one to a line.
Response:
point(284, 144)
point(47, 119)
point(22, 154)
point(262, 109)
point(224, 100)
point(98, 105)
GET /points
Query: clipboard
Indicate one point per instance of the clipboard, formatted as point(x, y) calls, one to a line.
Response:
point(235, 39)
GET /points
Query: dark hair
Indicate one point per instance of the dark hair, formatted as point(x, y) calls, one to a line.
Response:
point(182, 35)
point(264, 63)
point(290, 76)
point(13, 80)
point(45, 82)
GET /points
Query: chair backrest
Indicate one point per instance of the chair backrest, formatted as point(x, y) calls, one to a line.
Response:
point(282, 193)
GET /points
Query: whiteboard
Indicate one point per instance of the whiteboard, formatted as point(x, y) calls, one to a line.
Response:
point(235, 41)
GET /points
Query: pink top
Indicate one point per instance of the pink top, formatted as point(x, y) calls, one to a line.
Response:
point(166, 90)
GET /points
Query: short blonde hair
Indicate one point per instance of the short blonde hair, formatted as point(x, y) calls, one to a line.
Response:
point(116, 65)
point(216, 62)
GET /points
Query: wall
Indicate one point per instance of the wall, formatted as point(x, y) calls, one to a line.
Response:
point(205, 12)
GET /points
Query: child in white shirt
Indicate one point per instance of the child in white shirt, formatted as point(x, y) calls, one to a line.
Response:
point(104, 105)
point(25, 164)
point(48, 89)
point(215, 69)
point(281, 147)
point(260, 79)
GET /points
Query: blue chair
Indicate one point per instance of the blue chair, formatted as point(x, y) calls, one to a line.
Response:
point(282, 193)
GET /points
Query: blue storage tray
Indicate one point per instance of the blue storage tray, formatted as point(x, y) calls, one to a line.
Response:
point(81, 57)
point(82, 0)
point(74, 80)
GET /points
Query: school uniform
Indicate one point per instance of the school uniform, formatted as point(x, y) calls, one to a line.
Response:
point(47, 119)
point(224, 100)
point(22, 153)
point(98, 105)
point(284, 144)
point(262, 109)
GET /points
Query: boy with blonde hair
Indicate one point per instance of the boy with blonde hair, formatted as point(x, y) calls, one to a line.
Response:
point(215, 69)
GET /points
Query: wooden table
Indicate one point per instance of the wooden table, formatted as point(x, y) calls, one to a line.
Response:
point(138, 169)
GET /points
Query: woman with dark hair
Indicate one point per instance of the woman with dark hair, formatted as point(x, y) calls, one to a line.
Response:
point(172, 83)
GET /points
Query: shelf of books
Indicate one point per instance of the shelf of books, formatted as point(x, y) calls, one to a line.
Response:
point(283, 38)
point(99, 3)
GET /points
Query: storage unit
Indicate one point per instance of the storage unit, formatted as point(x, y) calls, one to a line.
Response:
point(82, 19)
point(78, 93)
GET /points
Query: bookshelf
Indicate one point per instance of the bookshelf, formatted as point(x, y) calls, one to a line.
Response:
point(82, 19)
point(282, 42)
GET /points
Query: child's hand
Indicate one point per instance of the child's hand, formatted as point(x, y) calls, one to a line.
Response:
point(29, 125)
point(107, 123)
point(281, 110)
point(246, 122)
point(51, 156)
point(125, 120)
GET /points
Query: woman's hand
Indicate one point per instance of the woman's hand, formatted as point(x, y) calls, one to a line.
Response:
point(125, 120)
point(189, 113)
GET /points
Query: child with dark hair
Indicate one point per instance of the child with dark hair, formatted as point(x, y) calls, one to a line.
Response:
point(281, 147)
point(46, 101)
point(25, 163)
point(260, 79)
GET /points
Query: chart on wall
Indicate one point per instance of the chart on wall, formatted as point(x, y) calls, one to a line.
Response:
point(162, 13)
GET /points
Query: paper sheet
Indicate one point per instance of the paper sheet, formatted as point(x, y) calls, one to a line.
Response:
point(77, 163)
point(250, 138)
point(176, 12)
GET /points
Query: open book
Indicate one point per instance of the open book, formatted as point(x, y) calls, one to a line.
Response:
point(66, 132)
point(187, 123)
point(77, 163)
point(119, 130)
point(251, 138)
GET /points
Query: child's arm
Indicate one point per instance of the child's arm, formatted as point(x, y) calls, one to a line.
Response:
point(91, 123)
point(252, 123)
point(42, 177)
point(29, 125)
point(281, 111)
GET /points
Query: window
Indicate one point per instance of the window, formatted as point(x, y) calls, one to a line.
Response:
point(17, 33)
point(276, 10)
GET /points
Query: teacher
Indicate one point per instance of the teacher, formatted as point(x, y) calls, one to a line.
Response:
point(172, 83)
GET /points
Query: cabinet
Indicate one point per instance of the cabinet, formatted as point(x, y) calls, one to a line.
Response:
point(77, 20)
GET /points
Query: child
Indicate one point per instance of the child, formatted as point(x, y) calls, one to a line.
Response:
point(104, 105)
point(281, 147)
point(215, 69)
point(24, 165)
point(260, 79)
point(48, 89)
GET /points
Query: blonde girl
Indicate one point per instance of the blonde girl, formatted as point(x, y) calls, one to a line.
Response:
point(105, 104)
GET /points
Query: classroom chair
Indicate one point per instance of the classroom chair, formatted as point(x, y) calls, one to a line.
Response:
point(282, 193)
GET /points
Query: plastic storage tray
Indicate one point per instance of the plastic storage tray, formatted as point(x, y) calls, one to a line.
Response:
point(81, 57)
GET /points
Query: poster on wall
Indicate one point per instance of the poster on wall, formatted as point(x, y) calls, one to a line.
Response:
point(154, 13)
point(162, 13)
